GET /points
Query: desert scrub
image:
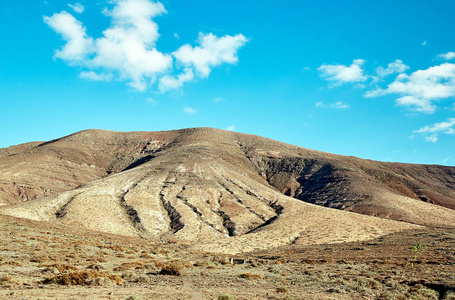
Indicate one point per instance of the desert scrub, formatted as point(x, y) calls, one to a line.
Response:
point(12, 263)
point(274, 269)
point(182, 262)
point(40, 259)
point(133, 277)
point(226, 297)
point(201, 263)
point(61, 267)
point(172, 269)
point(95, 267)
point(145, 254)
point(421, 292)
point(138, 265)
point(83, 278)
point(221, 260)
point(450, 295)
point(6, 279)
point(281, 289)
point(251, 276)
point(417, 250)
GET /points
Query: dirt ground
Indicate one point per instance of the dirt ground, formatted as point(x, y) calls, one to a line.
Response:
point(45, 261)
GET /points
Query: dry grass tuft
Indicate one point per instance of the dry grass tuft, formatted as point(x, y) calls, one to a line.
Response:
point(62, 267)
point(12, 263)
point(138, 265)
point(172, 269)
point(6, 279)
point(146, 255)
point(40, 259)
point(133, 277)
point(251, 276)
point(281, 290)
point(83, 278)
point(95, 267)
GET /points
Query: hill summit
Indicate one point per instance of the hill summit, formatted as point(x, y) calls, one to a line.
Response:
point(219, 190)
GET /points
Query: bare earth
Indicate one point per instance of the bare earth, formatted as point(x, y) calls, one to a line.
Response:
point(201, 213)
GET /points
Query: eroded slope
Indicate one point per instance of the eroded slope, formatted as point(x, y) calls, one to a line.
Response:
point(225, 191)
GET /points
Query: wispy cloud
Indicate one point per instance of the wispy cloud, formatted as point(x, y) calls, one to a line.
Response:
point(90, 75)
point(422, 88)
point(190, 110)
point(430, 132)
point(231, 128)
point(167, 82)
point(394, 67)
point(424, 43)
point(219, 99)
point(340, 74)
point(447, 56)
point(336, 105)
point(127, 48)
point(447, 159)
point(77, 7)
point(152, 101)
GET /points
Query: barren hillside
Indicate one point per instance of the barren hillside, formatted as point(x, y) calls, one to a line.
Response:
point(219, 190)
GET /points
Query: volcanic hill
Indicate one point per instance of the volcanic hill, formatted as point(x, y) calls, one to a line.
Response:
point(219, 191)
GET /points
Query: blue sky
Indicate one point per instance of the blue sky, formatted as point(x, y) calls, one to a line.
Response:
point(373, 79)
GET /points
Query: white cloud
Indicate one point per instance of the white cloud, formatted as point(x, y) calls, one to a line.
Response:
point(128, 45)
point(176, 35)
point(77, 7)
point(430, 132)
point(424, 43)
point(127, 50)
point(420, 89)
point(231, 128)
point(337, 105)
point(90, 75)
point(219, 99)
point(432, 138)
point(190, 110)
point(394, 67)
point(78, 45)
point(416, 104)
point(167, 83)
point(447, 56)
point(341, 74)
point(213, 51)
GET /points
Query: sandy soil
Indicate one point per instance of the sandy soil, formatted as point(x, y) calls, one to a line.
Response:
point(33, 252)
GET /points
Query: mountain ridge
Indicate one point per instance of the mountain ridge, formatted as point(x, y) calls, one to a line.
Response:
point(213, 187)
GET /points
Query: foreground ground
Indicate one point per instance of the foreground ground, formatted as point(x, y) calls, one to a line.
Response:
point(44, 261)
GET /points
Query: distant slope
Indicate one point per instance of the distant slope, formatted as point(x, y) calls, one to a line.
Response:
point(203, 184)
